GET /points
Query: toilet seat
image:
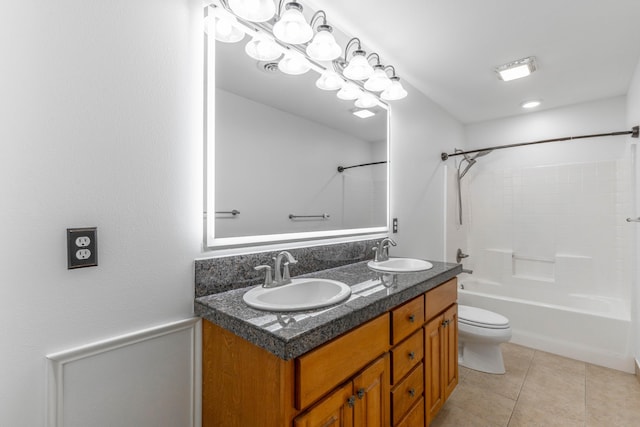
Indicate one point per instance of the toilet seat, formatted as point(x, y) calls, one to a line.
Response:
point(481, 318)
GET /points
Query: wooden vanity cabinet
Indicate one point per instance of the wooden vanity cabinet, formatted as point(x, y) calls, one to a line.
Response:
point(395, 370)
point(441, 347)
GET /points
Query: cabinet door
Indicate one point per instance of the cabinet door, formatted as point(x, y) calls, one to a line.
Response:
point(371, 388)
point(334, 411)
point(450, 350)
point(434, 374)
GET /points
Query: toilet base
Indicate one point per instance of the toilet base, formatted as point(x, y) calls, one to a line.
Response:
point(481, 357)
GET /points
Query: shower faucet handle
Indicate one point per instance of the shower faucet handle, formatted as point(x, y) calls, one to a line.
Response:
point(460, 255)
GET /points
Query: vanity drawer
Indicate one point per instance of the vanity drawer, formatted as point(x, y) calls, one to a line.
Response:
point(415, 417)
point(438, 299)
point(406, 319)
point(407, 393)
point(406, 355)
point(322, 369)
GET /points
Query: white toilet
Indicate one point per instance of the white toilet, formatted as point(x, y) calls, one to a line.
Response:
point(480, 333)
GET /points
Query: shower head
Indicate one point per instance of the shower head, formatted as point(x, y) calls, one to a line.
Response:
point(470, 163)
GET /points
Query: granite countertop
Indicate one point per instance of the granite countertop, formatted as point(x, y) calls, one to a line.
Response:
point(291, 334)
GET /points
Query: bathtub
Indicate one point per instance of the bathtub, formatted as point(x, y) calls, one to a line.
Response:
point(585, 327)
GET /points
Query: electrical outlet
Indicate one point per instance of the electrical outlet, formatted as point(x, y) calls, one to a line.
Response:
point(395, 225)
point(82, 247)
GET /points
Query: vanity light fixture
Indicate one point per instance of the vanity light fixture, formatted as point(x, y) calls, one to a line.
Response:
point(262, 48)
point(329, 80)
point(253, 10)
point(531, 104)
point(292, 27)
point(324, 46)
point(358, 68)
point(379, 80)
point(516, 69)
point(395, 91)
point(363, 113)
point(366, 100)
point(349, 91)
point(294, 64)
point(227, 30)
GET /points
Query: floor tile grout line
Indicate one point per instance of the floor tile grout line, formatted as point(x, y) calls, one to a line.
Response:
point(521, 386)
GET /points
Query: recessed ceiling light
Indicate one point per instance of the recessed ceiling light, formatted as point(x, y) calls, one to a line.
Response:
point(531, 104)
point(363, 113)
point(516, 69)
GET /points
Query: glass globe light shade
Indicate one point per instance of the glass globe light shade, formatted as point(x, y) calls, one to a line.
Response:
point(292, 27)
point(324, 46)
point(366, 100)
point(349, 91)
point(329, 80)
point(293, 64)
point(395, 91)
point(379, 80)
point(262, 48)
point(358, 68)
point(226, 30)
point(253, 10)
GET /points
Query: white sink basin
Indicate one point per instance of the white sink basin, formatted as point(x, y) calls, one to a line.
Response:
point(300, 294)
point(400, 265)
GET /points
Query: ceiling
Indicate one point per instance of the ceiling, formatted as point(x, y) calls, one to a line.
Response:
point(585, 49)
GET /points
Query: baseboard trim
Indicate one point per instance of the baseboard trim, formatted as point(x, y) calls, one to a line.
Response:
point(637, 369)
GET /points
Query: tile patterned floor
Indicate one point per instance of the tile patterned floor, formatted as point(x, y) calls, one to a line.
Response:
point(545, 390)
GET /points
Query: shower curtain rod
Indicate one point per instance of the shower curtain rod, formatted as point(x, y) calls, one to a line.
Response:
point(633, 132)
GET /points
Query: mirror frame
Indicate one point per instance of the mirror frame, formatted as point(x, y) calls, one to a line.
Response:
point(210, 241)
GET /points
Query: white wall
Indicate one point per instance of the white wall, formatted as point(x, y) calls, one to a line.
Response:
point(633, 119)
point(420, 131)
point(101, 126)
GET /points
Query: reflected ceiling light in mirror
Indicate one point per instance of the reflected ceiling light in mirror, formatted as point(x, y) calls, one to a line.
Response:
point(362, 113)
point(324, 46)
point(293, 64)
point(349, 91)
point(292, 27)
point(253, 10)
point(329, 80)
point(358, 67)
point(262, 48)
point(366, 100)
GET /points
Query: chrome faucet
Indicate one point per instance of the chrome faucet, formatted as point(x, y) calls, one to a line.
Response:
point(382, 250)
point(280, 277)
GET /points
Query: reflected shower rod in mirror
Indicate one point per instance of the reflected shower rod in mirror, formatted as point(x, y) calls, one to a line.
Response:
point(343, 168)
point(633, 132)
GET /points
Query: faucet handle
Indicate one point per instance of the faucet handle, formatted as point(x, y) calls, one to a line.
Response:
point(268, 279)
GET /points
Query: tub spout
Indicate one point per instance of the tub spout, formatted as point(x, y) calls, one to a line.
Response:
point(466, 270)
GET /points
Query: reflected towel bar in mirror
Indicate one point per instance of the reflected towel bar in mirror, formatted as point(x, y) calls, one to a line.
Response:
point(233, 212)
point(323, 216)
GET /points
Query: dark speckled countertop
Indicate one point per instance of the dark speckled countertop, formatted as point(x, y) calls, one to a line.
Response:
point(291, 334)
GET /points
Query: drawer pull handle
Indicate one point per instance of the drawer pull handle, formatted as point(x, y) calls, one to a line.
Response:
point(412, 392)
point(351, 401)
point(412, 318)
point(330, 422)
point(361, 393)
point(412, 355)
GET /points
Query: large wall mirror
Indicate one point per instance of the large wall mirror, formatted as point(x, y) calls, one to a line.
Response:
point(274, 145)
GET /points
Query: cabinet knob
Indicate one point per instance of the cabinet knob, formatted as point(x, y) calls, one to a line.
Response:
point(361, 393)
point(351, 401)
point(412, 392)
point(446, 323)
point(412, 355)
point(412, 318)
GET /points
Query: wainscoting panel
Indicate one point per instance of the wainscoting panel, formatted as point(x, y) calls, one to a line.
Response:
point(147, 378)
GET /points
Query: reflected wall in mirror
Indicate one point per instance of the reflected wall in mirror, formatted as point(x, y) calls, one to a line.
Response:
point(277, 144)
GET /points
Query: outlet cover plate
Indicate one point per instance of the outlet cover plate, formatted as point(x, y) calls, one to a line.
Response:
point(82, 247)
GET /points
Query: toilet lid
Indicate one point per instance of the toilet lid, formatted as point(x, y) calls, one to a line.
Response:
point(483, 318)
